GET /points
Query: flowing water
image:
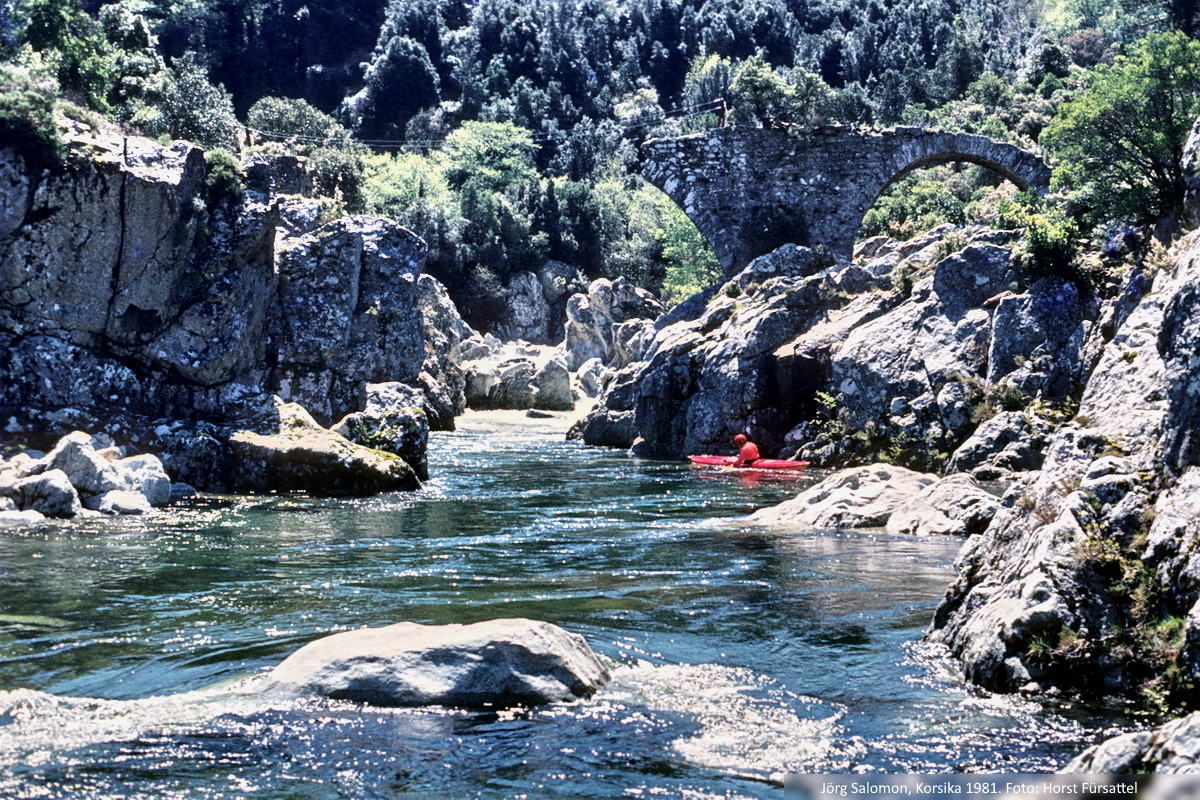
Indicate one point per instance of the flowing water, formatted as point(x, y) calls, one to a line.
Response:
point(129, 649)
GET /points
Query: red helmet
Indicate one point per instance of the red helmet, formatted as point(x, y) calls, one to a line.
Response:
point(739, 439)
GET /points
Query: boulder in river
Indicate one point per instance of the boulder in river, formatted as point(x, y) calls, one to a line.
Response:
point(862, 497)
point(394, 421)
point(503, 663)
point(955, 506)
point(300, 455)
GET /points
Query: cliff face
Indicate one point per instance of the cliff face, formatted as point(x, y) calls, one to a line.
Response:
point(1090, 579)
point(125, 289)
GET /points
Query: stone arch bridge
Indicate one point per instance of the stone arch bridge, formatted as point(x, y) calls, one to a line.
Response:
point(750, 190)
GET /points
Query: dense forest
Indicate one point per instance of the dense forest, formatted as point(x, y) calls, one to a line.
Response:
point(507, 132)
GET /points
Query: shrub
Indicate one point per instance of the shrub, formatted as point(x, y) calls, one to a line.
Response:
point(27, 117)
point(196, 110)
point(224, 181)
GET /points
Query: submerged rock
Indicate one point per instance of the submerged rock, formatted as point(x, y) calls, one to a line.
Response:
point(862, 497)
point(503, 663)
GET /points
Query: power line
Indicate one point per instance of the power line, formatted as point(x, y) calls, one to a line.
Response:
point(545, 137)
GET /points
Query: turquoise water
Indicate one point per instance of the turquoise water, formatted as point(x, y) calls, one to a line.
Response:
point(129, 648)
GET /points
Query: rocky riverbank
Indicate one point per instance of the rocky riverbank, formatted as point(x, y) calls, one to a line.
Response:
point(249, 342)
point(952, 355)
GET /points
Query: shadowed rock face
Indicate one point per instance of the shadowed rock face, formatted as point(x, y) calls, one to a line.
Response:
point(498, 664)
point(751, 190)
point(124, 288)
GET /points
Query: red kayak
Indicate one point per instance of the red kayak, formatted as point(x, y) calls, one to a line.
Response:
point(762, 463)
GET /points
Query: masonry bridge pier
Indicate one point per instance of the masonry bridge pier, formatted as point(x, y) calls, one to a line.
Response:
point(750, 190)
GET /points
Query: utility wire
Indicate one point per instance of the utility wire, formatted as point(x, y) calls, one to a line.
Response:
point(536, 139)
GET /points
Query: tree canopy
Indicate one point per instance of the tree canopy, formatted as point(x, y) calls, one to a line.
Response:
point(1117, 146)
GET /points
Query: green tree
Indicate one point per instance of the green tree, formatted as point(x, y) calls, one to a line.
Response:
point(691, 264)
point(1117, 145)
point(400, 81)
point(494, 154)
point(766, 97)
point(194, 109)
point(63, 32)
point(139, 73)
point(27, 116)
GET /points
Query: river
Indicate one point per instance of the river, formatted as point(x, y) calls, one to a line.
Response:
point(129, 648)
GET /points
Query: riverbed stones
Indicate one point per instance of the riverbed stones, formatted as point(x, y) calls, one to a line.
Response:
point(49, 493)
point(84, 471)
point(503, 663)
point(862, 497)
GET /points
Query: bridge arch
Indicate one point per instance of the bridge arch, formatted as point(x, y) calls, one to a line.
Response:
point(750, 190)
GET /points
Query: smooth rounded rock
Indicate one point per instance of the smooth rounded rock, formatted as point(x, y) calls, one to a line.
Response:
point(862, 497)
point(503, 663)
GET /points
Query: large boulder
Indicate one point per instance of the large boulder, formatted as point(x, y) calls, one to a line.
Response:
point(301, 456)
point(442, 377)
point(1043, 329)
point(591, 317)
point(862, 497)
point(954, 506)
point(1170, 748)
point(1011, 441)
point(552, 386)
point(394, 421)
point(611, 422)
point(49, 493)
point(339, 333)
point(145, 299)
point(528, 310)
point(499, 664)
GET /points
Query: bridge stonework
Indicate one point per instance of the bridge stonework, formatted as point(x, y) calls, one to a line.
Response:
point(750, 190)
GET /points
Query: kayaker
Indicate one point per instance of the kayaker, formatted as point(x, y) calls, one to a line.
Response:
point(747, 451)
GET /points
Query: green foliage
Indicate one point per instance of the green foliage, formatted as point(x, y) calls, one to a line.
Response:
point(400, 81)
point(1051, 238)
point(1150, 641)
point(914, 204)
point(194, 109)
point(334, 157)
point(139, 72)
point(70, 40)
point(27, 117)
point(495, 155)
point(1116, 147)
point(691, 264)
point(767, 97)
point(297, 125)
point(225, 181)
